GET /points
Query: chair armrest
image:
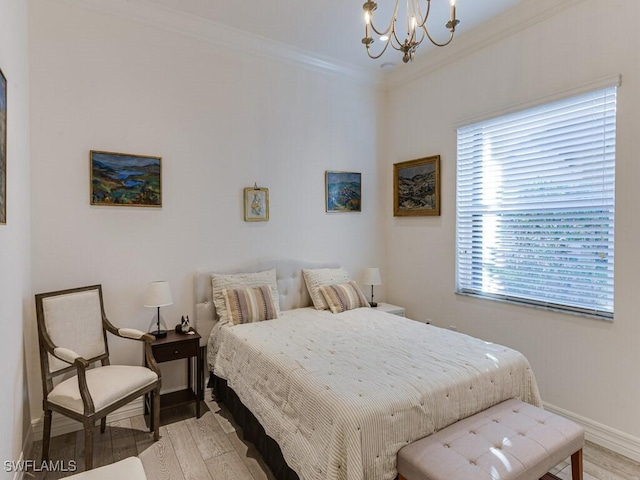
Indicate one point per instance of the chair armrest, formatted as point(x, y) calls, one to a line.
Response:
point(69, 356)
point(66, 355)
point(132, 333)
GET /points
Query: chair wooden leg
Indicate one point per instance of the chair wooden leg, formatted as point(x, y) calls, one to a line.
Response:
point(103, 424)
point(88, 445)
point(576, 465)
point(400, 477)
point(148, 407)
point(156, 415)
point(46, 435)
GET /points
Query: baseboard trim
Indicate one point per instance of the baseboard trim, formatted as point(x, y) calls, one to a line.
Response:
point(19, 474)
point(61, 424)
point(602, 435)
point(27, 449)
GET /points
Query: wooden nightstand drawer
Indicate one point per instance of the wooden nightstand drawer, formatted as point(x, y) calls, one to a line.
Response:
point(176, 346)
point(175, 351)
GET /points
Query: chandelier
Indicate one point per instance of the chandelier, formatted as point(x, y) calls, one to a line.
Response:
point(416, 24)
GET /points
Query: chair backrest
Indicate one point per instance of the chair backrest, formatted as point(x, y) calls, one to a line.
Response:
point(71, 319)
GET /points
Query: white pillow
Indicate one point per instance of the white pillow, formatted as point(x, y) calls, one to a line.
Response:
point(220, 282)
point(316, 277)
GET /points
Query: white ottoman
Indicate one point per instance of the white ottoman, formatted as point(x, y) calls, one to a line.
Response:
point(127, 469)
point(510, 441)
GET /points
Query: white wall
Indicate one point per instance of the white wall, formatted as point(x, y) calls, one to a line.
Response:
point(15, 263)
point(221, 119)
point(586, 367)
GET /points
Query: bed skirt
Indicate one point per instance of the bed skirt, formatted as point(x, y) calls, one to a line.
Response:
point(252, 430)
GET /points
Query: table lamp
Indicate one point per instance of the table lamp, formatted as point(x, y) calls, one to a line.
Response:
point(372, 277)
point(158, 295)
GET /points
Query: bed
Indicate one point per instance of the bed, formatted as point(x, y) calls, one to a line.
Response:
point(340, 394)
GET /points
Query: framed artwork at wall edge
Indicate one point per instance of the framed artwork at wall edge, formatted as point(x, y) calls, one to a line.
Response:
point(3, 149)
point(125, 180)
point(343, 191)
point(416, 187)
point(256, 204)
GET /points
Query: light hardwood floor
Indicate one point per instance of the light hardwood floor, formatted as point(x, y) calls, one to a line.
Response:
point(211, 448)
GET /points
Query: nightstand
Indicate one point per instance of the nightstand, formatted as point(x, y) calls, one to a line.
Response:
point(389, 308)
point(177, 346)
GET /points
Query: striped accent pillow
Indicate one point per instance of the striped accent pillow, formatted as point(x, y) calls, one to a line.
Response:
point(343, 297)
point(247, 305)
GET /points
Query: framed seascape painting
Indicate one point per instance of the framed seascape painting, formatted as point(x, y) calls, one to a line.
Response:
point(123, 179)
point(416, 187)
point(3, 149)
point(256, 204)
point(343, 192)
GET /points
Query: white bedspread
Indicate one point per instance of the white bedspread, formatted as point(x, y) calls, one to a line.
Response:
point(341, 394)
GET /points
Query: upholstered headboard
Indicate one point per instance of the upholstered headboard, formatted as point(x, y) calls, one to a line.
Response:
point(291, 289)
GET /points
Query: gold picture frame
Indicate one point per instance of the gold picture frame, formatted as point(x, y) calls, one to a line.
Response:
point(416, 187)
point(256, 204)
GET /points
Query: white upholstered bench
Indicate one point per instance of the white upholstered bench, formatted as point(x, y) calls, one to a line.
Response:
point(128, 469)
point(510, 441)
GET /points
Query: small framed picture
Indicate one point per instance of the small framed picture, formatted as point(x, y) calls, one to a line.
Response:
point(256, 204)
point(123, 179)
point(416, 187)
point(343, 192)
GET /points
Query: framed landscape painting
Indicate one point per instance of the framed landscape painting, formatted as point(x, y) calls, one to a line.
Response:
point(125, 180)
point(3, 149)
point(343, 191)
point(416, 187)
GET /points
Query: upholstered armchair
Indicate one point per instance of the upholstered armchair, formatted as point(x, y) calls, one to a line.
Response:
point(72, 332)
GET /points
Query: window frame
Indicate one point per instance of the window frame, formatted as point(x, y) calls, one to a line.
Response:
point(463, 289)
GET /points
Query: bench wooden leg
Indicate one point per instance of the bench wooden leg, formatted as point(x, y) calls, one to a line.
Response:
point(576, 465)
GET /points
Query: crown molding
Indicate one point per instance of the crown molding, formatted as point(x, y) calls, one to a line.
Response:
point(174, 21)
point(511, 22)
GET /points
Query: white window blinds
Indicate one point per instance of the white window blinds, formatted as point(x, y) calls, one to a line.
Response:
point(535, 205)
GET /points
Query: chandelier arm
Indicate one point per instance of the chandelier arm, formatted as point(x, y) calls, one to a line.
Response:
point(424, 17)
point(436, 43)
point(422, 37)
point(398, 44)
point(382, 32)
point(375, 57)
point(390, 27)
point(425, 30)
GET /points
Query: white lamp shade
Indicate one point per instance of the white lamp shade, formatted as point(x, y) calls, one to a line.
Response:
point(371, 276)
point(158, 294)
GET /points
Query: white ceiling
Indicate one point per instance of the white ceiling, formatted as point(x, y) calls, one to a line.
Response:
point(332, 29)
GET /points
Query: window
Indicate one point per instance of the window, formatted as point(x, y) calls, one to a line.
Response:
point(535, 206)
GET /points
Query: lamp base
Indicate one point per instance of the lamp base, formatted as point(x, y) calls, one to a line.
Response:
point(159, 333)
point(373, 304)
